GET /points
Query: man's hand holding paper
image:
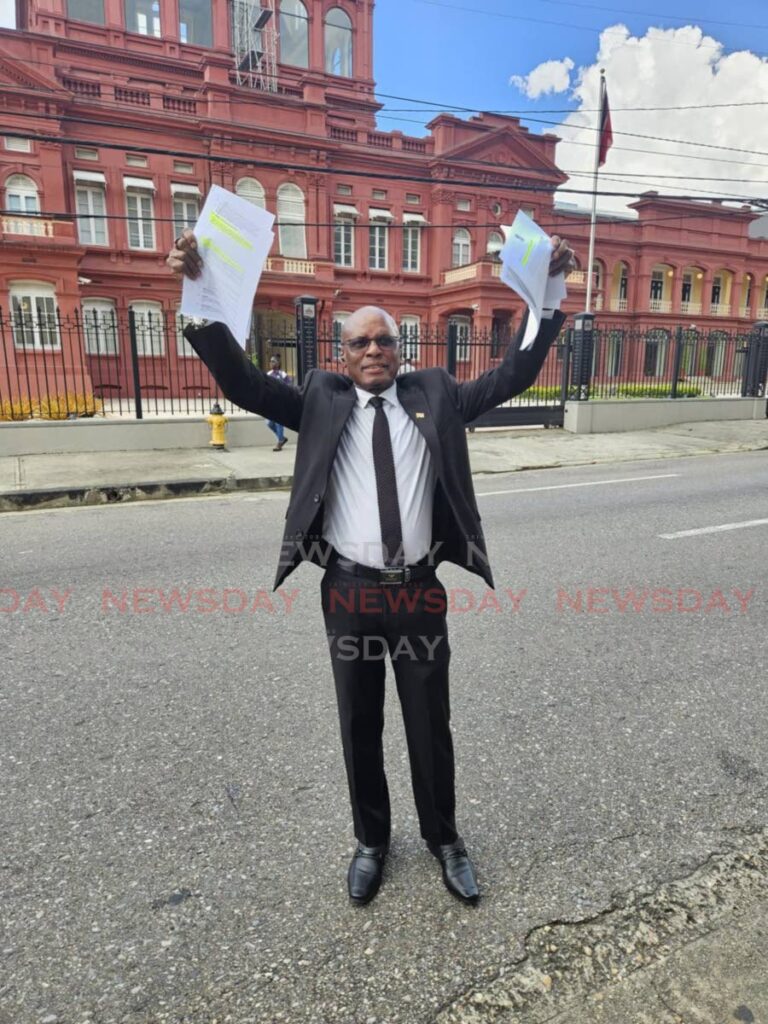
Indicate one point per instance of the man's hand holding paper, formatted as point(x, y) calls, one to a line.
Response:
point(534, 265)
point(222, 260)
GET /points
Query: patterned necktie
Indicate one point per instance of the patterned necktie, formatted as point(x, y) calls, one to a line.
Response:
point(386, 486)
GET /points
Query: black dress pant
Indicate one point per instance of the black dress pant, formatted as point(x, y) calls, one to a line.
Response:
point(365, 622)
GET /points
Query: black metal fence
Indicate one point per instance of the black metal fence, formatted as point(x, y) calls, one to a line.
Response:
point(98, 363)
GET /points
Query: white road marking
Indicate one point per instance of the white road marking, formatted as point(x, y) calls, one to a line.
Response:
point(714, 529)
point(586, 483)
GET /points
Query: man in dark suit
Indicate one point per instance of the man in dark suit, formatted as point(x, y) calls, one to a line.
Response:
point(382, 493)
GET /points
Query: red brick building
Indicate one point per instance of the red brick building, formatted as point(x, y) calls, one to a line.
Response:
point(119, 114)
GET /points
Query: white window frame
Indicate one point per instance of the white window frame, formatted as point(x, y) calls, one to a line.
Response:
point(495, 243)
point(186, 210)
point(464, 205)
point(291, 215)
point(410, 335)
point(100, 335)
point(339, 319)
point(411, 248)
point(252, 190)
point(91, 222)
point(143, 220)
point(183, 349)
point(463, 325)
point(378, 245)
point(18, 144)
point(22, 187)
point(344, 242)
point(150, 328)
point(35, 328)
point(461, 246)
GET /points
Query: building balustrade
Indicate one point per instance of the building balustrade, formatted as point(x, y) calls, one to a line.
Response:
point(32, 227)
point(660, 305)
point(690, 308)
point(762, 313)
point(720, 309)
point(577, 277)
point(283, 265)
point(744, 312)
point(619, 305)
point(466, 273)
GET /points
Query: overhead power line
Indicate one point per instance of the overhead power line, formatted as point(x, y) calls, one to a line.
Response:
point(688, 18)
point(315, 169)
point(555, 24)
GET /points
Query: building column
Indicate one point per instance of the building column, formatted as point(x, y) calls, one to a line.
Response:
point(677, 289)
point(706, 292)
point(736, 290)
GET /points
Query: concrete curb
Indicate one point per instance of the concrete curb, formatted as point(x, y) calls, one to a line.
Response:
point(117, 494)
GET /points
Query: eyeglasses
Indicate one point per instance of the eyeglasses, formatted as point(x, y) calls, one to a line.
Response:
point(386, 341)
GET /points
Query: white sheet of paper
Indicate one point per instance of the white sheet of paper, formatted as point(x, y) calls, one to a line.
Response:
point(234, 237)
point(525, 260)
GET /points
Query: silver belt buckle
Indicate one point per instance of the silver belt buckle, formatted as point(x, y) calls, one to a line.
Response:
point(395, 574)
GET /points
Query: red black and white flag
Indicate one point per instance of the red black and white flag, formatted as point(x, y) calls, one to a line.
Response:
point(606, 132)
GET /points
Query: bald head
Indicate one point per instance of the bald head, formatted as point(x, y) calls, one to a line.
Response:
point(358, 323)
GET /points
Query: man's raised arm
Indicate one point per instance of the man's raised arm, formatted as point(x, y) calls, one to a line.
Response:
point(518, 369)
point(240, 381)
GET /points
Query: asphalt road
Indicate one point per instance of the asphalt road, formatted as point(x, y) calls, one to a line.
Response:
point(174, 821)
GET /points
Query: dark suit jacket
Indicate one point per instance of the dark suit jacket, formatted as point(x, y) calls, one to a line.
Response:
point(438, 404)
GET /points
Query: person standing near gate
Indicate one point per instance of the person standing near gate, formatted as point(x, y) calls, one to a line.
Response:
point(382, 494)
point(277, 428)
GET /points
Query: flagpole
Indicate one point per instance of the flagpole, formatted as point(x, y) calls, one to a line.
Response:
point(593, 221)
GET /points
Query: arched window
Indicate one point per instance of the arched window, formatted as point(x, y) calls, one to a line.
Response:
point(338, 43)
point(495, 243)
point(462, 248)
point(294, 33)
point(150, 328)
point(34, 319)
point(100, 327)
point(290, 216)
point(21, 195)
point(252, 190)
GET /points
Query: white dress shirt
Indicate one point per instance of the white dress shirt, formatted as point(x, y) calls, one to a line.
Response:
point(351, 522)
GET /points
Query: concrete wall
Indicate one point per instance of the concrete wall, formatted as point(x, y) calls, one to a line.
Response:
point(40, 437)
point(606, 416)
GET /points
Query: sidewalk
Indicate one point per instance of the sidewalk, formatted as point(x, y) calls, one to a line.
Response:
point(87, 478)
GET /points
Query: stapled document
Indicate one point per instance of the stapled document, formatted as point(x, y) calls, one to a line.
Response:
point(234, 239)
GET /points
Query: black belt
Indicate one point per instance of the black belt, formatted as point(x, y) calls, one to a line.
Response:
point(395, 574)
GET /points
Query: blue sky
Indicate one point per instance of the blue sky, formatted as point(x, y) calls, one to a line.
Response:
point(450, 52)
point(461, 57)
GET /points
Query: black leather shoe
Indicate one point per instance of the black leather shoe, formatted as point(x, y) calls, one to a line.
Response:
point(458, 870)
point(365, 871)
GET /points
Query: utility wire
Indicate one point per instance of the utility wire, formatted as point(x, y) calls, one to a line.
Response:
point(558, 24)
point(315, 169)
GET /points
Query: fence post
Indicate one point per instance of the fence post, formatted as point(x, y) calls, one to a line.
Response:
point(756, 363)
point(678, 361)
point(306, 335)
point(135, 364)
point(453, 335)
point(566, 371)
point(583, 346)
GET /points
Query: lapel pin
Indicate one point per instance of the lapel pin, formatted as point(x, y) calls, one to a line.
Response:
point(419, 415)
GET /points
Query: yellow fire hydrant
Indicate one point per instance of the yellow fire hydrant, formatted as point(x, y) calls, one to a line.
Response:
point(218, 422)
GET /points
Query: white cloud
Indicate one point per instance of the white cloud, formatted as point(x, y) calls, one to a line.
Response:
point(7, 14)
point(676, 68)
point(551, 76)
